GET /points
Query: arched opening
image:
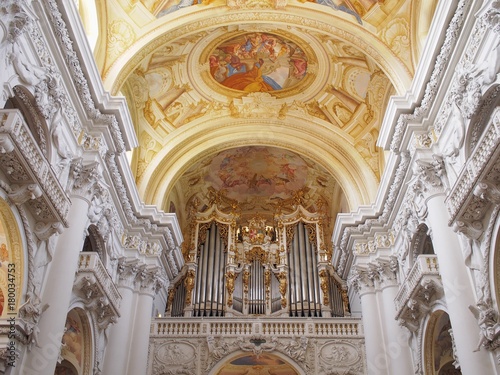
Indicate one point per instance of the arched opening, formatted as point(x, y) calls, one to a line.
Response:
point(11, 261)
point(251, 364)
point(421, 243)
point(496, 268)
point(438, 346)
point(65, 368)
point(77, 348)
point(94, 242)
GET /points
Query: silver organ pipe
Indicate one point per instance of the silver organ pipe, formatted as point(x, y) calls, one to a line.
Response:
point(202, 272)
point(301, 256)
point(179, 301)
point(238, 293)
point(337, 304)
point(304, 279)
point(307, 270)
point(210, 279)
point(256, 291)
point(317, 295)
point(275, 294)
point(209, 293)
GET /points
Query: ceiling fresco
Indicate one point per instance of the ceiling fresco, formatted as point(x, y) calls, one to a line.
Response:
point(265, 172)
point(258, 179)
point(258, 62)
point(258, 99)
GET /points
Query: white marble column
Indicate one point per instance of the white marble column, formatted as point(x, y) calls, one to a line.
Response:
point(458, 290)
point(376, 362)
point(150, 282)
point(398, 351)
point(457, 283)
point(120, 334)
point(58, 286)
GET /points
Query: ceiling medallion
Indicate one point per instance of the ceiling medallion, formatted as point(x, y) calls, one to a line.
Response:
point(258, 62)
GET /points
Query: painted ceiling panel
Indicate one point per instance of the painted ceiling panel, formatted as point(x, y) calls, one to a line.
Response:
point(323, 69)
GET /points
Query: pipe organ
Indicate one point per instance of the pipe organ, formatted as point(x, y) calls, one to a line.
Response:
point(257, 267)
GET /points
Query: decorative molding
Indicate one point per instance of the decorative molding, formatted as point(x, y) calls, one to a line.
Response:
point(97, 289)
point(79, 79)
point(222, 338)
point(28, 173)
point(29, 316)
point(421, 287)
point(470, 196)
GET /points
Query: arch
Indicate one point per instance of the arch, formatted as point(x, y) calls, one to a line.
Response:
point(65, 368)
point(328, 147)
point(240, 357)
point(438, 345)
point(308, 16)
point(94, 242)
point(495, 264)
point(421, 243)
point(12, 259)
point(78, 341)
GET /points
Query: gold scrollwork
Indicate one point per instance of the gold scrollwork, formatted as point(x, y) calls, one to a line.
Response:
point(323, 275)
point(257, 253)
point(311, 229)
point(189, 284)
point(170, 298)
point(282, 277)
point(230, 277)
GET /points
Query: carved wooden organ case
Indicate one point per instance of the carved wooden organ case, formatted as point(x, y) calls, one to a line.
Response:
point(257, 268)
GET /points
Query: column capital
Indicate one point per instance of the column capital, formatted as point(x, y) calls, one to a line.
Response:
point(387, 270)
point(429, 176)
point(128, 268)
point(363, 279)
point(150, 280)
point(84, 179)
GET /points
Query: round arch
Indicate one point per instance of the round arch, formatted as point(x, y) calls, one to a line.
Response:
point(12, 257)
point(309, 16)
point(327, 147)
point(438, 346)
point(78, 340)
point(246, 360)
point(495, 264)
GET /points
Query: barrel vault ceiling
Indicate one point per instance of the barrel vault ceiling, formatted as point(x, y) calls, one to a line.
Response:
point(257, 101)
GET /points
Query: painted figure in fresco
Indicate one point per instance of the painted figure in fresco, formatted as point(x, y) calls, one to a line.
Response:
point(258, 62)
point(338, 5)
point(251, 81)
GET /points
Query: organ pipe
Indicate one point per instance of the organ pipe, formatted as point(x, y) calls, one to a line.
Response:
point(209, 294)
point(304, 282)
point(263, 276)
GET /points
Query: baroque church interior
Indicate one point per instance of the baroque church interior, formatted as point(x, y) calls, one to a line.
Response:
point(225, 187)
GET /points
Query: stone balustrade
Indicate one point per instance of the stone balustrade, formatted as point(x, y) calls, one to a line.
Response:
point(281, 327)
point(421, 286)
point(97, 287)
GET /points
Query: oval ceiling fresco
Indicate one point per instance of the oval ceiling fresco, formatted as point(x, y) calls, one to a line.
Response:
point(258, 62)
